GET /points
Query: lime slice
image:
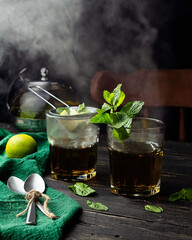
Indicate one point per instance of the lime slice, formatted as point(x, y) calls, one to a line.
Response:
point(71, 125)
point(72, 112)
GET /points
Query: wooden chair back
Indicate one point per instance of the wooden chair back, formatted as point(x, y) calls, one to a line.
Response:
point(157, 88)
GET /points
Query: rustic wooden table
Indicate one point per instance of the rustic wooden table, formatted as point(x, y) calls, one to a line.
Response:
point(127, 217)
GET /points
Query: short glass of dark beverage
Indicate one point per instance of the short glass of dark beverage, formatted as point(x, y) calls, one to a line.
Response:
point(136, 163)
point(73, 143)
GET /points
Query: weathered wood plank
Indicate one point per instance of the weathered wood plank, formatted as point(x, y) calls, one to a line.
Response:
point(94, 225)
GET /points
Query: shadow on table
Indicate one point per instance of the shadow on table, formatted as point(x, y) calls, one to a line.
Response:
point(70, 226)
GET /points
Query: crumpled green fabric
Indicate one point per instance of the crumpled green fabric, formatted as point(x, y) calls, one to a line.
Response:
point(14, 228)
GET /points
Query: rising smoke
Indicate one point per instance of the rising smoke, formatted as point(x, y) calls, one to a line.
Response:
point(75, 38)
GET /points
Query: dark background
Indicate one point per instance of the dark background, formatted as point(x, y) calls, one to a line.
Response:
point(76, 38)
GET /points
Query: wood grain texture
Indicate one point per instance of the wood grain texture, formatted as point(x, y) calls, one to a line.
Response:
point(127, 217)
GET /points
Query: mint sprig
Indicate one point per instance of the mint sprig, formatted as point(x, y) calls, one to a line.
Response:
point(120, 120)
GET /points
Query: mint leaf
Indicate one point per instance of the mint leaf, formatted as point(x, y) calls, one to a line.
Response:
point(118, 119)
point(189, 194)
point(105, 107)
point(128, 124)
point(121, 99)
point(132, 108)
point(97, 206)
point(175, 196)
point(107, 96)
point(155, 209)
point(82, 108)
point(101, 118)
point(81, 189)
point(61, 109)
point(185, 194)
point(120, 133)
point(116, 92)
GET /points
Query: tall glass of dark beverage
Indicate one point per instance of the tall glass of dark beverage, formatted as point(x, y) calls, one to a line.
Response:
point(136, 163)
point(73, 143)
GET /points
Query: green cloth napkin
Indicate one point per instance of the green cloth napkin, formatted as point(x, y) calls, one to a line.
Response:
point(14, 228)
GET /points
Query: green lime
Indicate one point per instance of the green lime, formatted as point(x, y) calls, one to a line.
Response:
point(20, 145)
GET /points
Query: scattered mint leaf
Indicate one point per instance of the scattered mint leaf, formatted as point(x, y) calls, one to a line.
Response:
point(120, 120)
point(155, 209)
point(185, 194)
point(97, 206)
point(188, 194)
point(81, 189)
point(175, 196)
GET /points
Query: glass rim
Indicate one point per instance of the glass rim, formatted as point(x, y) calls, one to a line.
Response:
point(160, 125)
point(52, 114)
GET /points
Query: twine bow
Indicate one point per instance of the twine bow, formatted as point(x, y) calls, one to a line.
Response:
point(34, 196)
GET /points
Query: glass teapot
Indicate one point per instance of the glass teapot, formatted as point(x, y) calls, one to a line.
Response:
point(27, 110)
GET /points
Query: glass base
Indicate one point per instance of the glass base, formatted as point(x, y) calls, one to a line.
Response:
point(137, 192)
point(83, 177)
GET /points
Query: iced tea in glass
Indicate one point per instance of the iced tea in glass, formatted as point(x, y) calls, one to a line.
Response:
point(136, 163)
point(73, 143)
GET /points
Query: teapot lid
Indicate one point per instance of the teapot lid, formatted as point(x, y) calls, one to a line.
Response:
point(42, 82)
point(44, 73)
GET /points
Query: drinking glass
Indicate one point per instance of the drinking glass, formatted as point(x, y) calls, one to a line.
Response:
point(136, 163)
point(73, 143)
